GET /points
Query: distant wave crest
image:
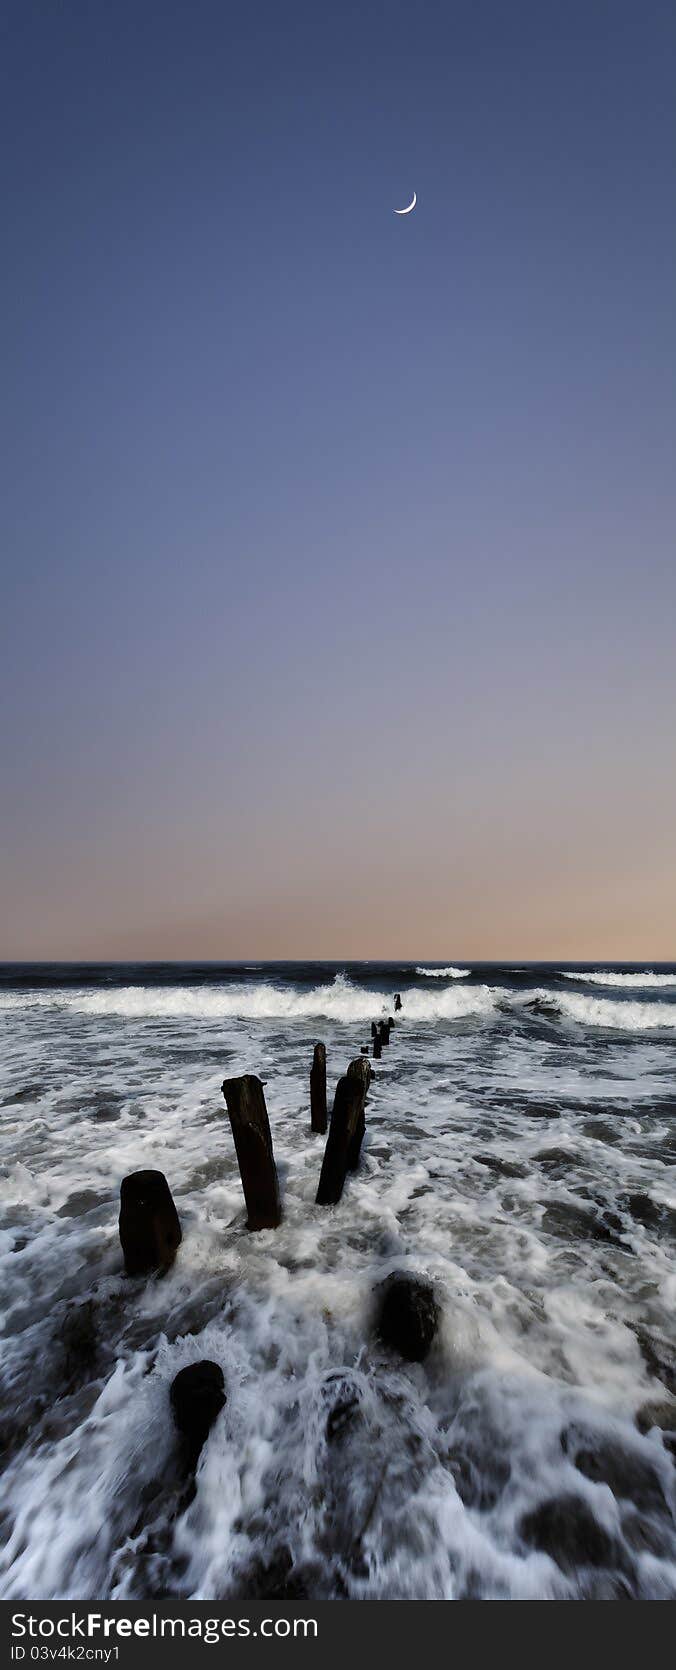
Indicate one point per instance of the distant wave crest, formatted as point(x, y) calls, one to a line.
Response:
point(642, 980)
point(449, 973)
point(624, 1016)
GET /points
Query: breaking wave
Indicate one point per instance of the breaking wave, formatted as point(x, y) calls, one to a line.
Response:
point(607, 1011)
point(338, 1000)
point(642, 980)
point(444, 973)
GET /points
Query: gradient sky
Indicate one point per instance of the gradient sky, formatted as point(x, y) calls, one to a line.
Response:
point(338, 574)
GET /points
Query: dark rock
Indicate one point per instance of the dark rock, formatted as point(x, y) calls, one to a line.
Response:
point(565, 1528)
point(318, 1089)
point(642, 1209)
point(658, 1356)
point(253, 1145)
point(344, 1396)
point(503, 1168)
point(274, 1579)
point(644, 1536)
point(628, 1475)
point(79, 1339)
point(575, 1223)
point(478, 1478)
point(408, 1316)
point(662, 1415)
point(197, 1396)
point(540, 1110)
point(555, 1159)
point(539, 1006)
point(150, 1229)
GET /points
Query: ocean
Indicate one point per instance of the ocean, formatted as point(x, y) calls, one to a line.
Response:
point(519, 1156)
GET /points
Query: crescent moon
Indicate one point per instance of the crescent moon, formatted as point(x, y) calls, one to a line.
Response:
point(410, 206)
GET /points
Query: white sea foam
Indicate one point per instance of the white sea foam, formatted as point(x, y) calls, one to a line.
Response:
point(449, 973)
point(422, 1491)
point(340, 1000)
point(606, 977)
point(619, 1014)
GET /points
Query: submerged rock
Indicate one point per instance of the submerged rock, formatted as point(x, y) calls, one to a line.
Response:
point(564, 1527)
point(556, 1159)
point(576, 1223)
point(503, 1168)
point(628, 1475)
point(661, 1415)
point(408, 1316)
point(79, 1339)
point(658, 1355)
point(197, 1396)
point(479, 1477)
point(343, 1394)
point(641, 1208)
point(540, 1006)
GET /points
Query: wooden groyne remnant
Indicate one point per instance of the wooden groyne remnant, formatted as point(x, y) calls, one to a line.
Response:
point(346, 1131)
point(150, 1228)
point(197, 1395)
point(318, 1090)
point(408, 1315)
point(248, 1115)
point(360, 1069)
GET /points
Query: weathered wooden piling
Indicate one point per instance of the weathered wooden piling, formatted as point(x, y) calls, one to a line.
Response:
point(359, 1069)
point(377, 1046)
point(253, 1145)
point(408, 1315)
point(384, 1032)
point(374, 1029)
point(318, 1089)
point(197, 1395)
point(346, 1131)
point(150, 1229)
point(397, 1001)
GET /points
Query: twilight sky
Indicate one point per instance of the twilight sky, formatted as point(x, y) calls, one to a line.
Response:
point(338, 577)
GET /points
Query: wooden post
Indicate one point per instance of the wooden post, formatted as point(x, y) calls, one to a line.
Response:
point(253, 1145)
point(197, 1395)
point(150, 1229)
point(384, 1032)
point(348, 1105)
point(377, 1046)
point(397, 1001)
point(318, 1089)
point(360, 1070)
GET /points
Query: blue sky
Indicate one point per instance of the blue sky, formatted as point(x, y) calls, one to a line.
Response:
point(337, 548)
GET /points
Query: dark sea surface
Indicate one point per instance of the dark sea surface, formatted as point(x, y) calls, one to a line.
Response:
point(519, 1156)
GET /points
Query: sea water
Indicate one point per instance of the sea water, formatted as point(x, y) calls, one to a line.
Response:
point(519, 1156)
